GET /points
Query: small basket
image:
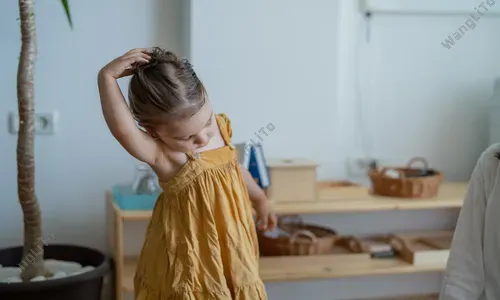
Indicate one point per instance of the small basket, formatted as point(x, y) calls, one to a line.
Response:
point(296, 238)
point(410, 182)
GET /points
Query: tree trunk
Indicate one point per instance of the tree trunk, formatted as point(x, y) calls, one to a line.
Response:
point(32, 263)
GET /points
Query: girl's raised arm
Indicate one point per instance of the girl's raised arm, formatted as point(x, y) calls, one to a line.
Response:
point(117, 113)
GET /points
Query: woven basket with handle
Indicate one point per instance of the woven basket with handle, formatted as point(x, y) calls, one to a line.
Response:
point(407, 182)
point(297, 238)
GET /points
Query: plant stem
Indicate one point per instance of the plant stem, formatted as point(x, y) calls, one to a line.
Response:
point(32, 263)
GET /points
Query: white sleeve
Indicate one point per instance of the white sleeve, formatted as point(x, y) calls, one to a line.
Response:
point(464, 275)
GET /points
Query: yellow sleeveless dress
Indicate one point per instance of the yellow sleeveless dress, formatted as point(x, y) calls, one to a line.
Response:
point(201, 242)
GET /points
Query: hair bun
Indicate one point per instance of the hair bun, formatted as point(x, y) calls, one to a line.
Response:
point(158, 56)
point(163, 56)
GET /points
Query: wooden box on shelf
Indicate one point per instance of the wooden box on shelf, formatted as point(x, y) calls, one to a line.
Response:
point(292, 180)
point(423, 248)
point(371, 246)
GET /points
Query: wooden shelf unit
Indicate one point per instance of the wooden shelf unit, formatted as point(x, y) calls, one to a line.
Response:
point(288, 268)
point(291, 268)
point(349, 199)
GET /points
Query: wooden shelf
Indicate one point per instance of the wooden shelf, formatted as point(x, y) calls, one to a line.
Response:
point(136, 214)
point(335, 266)
point(420, 297)
point(357, 199)
point(128, 274)
point(129, 215)
point(288, 268)
point(350, 199)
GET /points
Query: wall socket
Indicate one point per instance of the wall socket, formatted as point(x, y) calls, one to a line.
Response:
point(45, 123)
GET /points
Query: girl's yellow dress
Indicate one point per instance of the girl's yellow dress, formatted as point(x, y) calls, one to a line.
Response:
point(201, 242)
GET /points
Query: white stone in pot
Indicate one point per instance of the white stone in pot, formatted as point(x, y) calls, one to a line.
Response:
point(59, 274)
point(58, 268)
point(55, 266)
point(7, 273)
point(83, 270)
point(14, 279)
point(38, 278)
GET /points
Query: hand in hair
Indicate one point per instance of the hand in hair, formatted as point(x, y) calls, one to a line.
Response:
point(123, 66)
point(117, 113)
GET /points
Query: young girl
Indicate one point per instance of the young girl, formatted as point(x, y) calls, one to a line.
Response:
point(201, 241)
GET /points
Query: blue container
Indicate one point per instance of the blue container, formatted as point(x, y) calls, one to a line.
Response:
point(126, 199)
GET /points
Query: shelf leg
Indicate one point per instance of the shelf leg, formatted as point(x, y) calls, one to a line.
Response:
point(118, 241)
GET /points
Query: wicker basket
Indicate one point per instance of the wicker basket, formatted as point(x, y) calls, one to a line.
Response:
point(297, 238)
point(410, 182)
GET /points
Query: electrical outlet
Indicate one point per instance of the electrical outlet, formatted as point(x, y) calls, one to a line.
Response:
point(45, 123)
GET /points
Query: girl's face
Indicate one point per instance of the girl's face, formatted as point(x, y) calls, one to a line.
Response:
point(191, 134)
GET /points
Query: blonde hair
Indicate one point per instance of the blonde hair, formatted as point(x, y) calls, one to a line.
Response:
point(165, 88)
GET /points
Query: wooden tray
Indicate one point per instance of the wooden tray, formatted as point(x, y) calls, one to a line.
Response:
point(372, 246)
point(423, 248)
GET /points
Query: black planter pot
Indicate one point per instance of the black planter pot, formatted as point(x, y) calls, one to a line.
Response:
point(85, 286)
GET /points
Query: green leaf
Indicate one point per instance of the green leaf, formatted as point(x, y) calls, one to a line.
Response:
point(68, 13)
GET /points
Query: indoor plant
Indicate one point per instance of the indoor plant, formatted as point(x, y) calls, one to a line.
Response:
point(25, 273)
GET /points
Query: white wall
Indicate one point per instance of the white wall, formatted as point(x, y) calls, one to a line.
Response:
point(75, 166)
point(296, 64)
point(422, 92)
point(266, 61)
